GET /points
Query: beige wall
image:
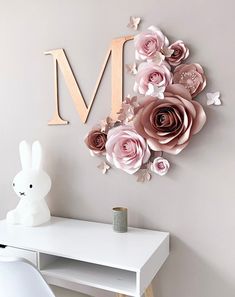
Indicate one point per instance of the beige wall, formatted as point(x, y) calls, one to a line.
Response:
point(195, 202)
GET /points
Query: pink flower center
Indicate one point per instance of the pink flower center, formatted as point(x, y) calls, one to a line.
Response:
point(155, 77)
point(162, 118)
point(99, 139)
point(190, 80)
point(176, 52)
point(150, 45)
point(160, 165)
point(128, 147)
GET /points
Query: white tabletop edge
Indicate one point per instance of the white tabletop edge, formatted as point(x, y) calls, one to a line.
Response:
point(87, 259)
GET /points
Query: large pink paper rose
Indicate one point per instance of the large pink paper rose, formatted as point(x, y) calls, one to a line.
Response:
point(152, 78)
point(168, 124)
point(126, 149)
point(180, 53)
point(149, 43)
point(191, 76)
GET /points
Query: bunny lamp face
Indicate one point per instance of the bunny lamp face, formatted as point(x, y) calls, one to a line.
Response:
point(32, 184)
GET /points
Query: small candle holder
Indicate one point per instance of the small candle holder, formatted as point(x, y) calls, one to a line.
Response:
point(120, 219)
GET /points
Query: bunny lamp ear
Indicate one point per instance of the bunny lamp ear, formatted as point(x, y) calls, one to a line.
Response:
point(25, 155)
point(36, 155)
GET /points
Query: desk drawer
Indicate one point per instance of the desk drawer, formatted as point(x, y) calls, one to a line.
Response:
point(9, 251)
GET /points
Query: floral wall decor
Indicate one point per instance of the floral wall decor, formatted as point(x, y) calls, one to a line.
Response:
point(163, 116)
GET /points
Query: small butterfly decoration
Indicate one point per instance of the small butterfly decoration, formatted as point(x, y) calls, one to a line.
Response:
point(155, 91)
point(213, 99)
point(144, 175)
point(131, 68)
point(167, 52)
point(127, 111)
point(134, 23)
point(104, 167)
point(106, 124)
point(159, 58)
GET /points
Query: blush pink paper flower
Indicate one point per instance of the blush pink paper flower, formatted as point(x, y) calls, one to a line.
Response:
point(180, 53)
point(149, 44)
point(168, 124)
point(152, 79)
point(126, 149)
point(160, 166)
point(191, 76)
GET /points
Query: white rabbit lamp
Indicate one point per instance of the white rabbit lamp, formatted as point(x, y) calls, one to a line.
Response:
point(31, 185)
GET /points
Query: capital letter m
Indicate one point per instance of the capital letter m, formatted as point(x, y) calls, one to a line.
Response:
point(59, 58)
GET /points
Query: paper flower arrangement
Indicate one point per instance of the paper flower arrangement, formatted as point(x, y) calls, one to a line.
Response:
point(164, 115)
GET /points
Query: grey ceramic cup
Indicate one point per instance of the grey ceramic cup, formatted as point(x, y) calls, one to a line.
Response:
point(120, 219)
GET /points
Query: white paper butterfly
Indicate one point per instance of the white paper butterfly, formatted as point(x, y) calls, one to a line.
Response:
point(131, 68)
point(134, 23)
point(213, 98)
point(155, 91)
point(167, 52)
point(158, 59)
point(104, 167)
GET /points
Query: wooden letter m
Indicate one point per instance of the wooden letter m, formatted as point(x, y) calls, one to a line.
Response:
point(116, 52)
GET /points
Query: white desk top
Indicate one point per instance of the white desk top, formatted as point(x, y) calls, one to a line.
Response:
point(86, 241)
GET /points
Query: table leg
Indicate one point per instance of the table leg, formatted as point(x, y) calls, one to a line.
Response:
point(120, 295)
point(149, 291)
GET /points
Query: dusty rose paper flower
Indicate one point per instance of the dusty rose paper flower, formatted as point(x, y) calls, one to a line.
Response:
point(151, 77)
point(168, 124)
point(191, 76)
point(149, 44)
point(126, 149)
point(160, 166)
point(180, 53)
point(95, 141)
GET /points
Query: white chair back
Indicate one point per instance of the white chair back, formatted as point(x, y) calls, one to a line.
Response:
point(19, 278)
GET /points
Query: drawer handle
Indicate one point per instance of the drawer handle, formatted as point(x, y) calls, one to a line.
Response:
point(2, 246)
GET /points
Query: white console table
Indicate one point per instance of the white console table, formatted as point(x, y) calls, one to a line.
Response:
point(71, 252)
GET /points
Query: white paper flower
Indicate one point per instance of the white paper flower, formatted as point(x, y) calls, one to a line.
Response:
point(160, 166)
